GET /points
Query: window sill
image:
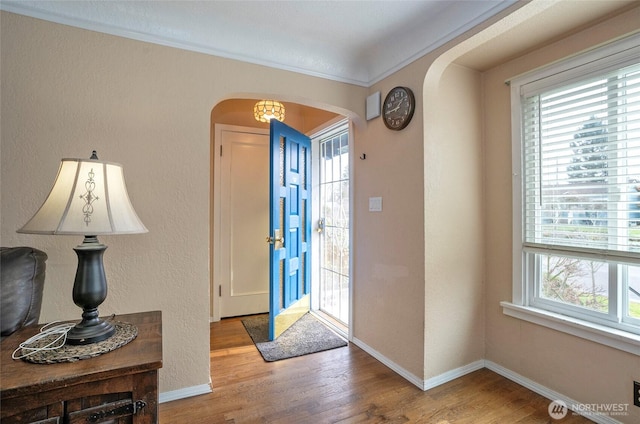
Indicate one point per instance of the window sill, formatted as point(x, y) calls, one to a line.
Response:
point(611, 337)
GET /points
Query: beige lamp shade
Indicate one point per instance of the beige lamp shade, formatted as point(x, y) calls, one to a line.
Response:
point(89, 197)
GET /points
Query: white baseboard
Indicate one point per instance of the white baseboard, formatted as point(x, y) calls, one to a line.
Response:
point(388, 363)
point(420, 383)
point(452, 374)
point(545, 391)
point(202, 389)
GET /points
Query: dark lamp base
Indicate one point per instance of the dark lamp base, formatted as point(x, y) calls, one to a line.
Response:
point(86, 333)
point(89, 291)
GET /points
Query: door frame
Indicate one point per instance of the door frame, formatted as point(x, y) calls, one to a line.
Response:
point(315, 135)
point(216, 245)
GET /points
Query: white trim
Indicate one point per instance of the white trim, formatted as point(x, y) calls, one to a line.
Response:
point(441, 41)
point(519, 290)
point(452, 374)
point(415, 380)
point(352, 208)
point(607, 336)
point(161, 40)
point(359, 77)
point(544, 391)
point(325, 129)
point(335, 125)
point(588, 58)
point(201, 389)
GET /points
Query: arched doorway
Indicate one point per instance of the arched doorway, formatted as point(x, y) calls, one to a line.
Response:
point(234, 127)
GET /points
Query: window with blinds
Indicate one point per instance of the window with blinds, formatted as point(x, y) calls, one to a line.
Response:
point(581, 158)
point(578, 182)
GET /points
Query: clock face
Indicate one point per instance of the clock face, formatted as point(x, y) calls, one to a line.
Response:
point(398, 108)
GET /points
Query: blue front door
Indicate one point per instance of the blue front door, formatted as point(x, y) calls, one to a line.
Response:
point(289, 226)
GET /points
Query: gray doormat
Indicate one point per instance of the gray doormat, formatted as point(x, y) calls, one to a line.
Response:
point(307, 335)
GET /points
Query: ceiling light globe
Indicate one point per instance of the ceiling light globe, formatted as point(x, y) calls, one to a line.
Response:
point(266, 110)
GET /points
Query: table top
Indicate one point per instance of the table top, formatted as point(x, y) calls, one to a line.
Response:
point(144, 353)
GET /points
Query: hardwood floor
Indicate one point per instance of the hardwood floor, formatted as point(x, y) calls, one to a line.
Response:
point(344, 385)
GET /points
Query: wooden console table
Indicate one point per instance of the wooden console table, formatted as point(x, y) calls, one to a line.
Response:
point(117, 387)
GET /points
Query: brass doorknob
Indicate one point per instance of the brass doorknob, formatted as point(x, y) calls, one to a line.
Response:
point(273, 240)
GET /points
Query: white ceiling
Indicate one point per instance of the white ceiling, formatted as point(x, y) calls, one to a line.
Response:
point(353, 41)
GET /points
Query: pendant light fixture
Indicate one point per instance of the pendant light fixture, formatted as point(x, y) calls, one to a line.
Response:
point(266, 110)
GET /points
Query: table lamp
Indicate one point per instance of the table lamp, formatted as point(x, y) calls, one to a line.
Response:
point(88, 198)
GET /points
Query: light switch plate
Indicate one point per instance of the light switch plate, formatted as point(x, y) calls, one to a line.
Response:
point(375, 204)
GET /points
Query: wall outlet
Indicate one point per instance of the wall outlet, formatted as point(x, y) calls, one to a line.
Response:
point(636, 393)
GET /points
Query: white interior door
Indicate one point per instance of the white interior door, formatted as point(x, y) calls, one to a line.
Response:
point(242, 254)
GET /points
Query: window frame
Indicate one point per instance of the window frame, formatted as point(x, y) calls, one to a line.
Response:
point(525, 304)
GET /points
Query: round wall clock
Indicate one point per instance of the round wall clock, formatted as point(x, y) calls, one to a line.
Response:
point(398, 108)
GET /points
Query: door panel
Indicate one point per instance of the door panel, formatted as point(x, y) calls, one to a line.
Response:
point(289, 226)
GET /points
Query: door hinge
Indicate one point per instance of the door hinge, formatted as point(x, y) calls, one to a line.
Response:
point(108, 412)
point(220, 290)
point(220, 150)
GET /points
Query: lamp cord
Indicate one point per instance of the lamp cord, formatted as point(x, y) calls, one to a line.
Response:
point(47, 330)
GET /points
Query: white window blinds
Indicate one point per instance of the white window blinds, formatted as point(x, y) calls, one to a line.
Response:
point(581, 163)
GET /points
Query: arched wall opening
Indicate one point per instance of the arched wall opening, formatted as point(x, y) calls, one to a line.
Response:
point(307, 116)
point(454, 189)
